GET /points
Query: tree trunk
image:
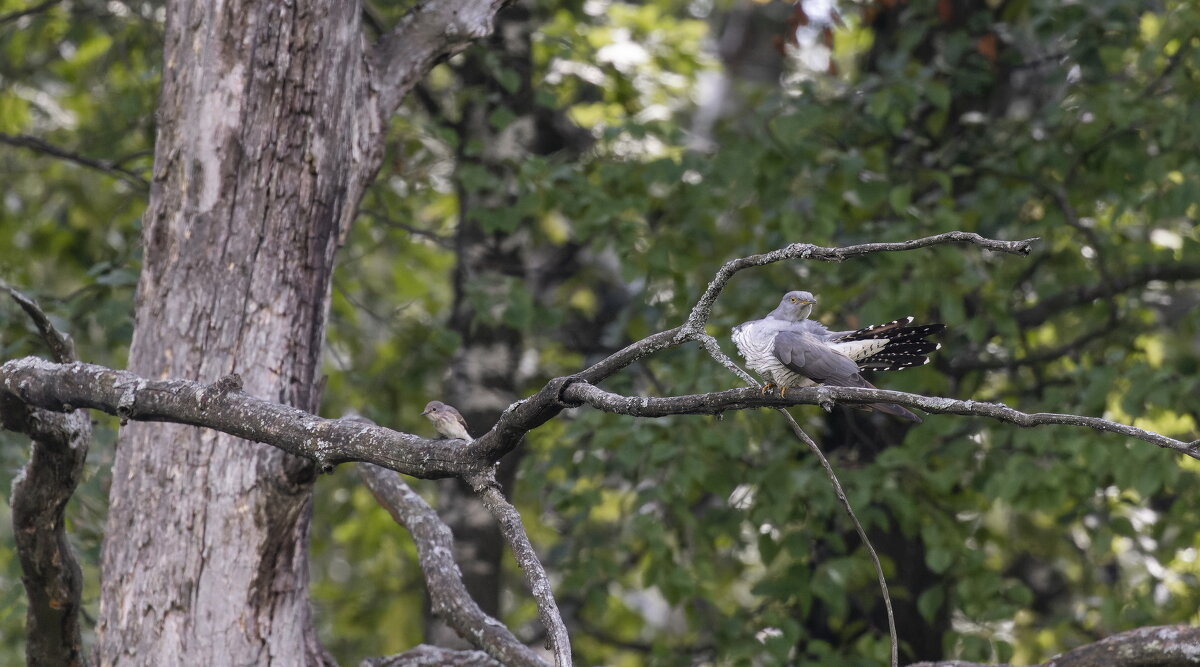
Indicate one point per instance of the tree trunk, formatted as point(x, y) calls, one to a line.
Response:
point(482, 378)
point(205, 554)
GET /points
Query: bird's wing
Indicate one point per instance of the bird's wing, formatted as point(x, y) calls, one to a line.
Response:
point(808, 356)
point(459, 418)
point(812, 358)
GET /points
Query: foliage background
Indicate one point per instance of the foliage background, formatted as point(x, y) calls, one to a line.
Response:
point(684, 540)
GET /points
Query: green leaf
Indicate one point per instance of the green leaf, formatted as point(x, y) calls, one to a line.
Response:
point(938, 94)
point(929, 603)
point(938, 559)
point(900, 197)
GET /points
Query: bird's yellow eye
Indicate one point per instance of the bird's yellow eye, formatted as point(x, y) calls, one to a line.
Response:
point(793, 299)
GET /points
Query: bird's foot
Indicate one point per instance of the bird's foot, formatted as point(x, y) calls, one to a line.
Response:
point(767, 386)
point(824, 399)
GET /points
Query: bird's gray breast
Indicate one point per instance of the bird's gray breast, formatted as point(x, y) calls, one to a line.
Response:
point(755, 341)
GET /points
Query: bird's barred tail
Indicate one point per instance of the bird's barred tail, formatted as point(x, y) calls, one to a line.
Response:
point(896, 411)
point(888, 408)
point(905, 347)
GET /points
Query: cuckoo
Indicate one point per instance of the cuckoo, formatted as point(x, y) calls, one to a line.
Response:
point(789, 350)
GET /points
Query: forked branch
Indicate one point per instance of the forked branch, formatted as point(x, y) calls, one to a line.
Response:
point(716, 403)
point(63, 387)
point(49, 570)
point(447, 593)
point(514, 533)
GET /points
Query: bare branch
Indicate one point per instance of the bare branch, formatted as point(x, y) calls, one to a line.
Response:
point(447, 593)
point(700, 312)
point(222, 406)
point(530, 413)
point(388, 221)
point(826, 396)
point(61, 345)
point(1056, 303)
point(526, 415)
point(427, 33)
point(425, 655)
point(13, 16)
point(1039, 356)
point(1162, 646)
point(108, 166)
point(527, 559)
point(306, 435)
point(714, 351)
point(49, 571)
point(862, 533)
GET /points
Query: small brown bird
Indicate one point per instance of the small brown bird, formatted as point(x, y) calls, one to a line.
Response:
point(446, 420)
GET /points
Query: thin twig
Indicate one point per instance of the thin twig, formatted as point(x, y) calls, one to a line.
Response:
point(700, 312)
point(13, 16)
point(1040, 355)
point(106, 166)
point(61, 345)
point(720, 357)
point(1057, 303)
point(862, 533)
point(443, 241)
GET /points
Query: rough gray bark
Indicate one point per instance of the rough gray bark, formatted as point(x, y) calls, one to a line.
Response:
point(205, 551)
point(224, 407)
point(509, 520)
point(269, 129)
point(50, 572)
point(1158, 646)
point(64, 387)
point(425, 655)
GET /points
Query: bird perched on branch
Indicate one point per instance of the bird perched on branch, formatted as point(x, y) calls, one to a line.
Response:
point(790, 350)
point(446, 420)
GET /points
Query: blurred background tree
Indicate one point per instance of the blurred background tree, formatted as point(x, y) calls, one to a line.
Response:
point(590, 166)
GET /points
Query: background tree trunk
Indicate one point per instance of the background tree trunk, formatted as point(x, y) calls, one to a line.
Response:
point(487, 374)
point(205, 556)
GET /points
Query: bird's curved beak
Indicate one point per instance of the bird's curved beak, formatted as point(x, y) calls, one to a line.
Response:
point(426, 411)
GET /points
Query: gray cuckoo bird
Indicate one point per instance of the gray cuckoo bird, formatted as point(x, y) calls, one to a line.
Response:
point(790, 350)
